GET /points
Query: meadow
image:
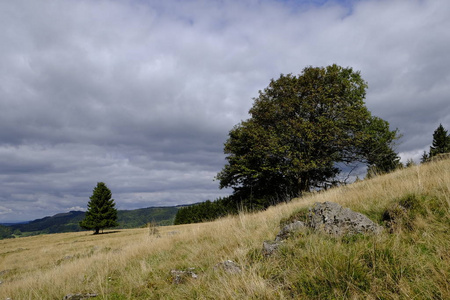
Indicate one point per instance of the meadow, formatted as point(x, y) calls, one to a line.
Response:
point(410, 259)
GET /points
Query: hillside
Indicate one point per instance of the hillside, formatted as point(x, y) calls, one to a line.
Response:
point(409, 259)
point(68, 222)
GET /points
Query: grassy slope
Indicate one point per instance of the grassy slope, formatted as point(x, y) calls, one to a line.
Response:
point(413, 261)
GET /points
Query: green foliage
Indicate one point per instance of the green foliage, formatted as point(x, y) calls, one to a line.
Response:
point(101, 211)
point(5, 232)
point(140, 217)
point(441, 142)
point(205, 211)
point(300, 128)
point(410, 163)
point(425, 157)
point(378, 149)
point(439, 146)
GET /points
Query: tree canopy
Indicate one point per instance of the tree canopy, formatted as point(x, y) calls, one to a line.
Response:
point(301, 128)
point(101, 211)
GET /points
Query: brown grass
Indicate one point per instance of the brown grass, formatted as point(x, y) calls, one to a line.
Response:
point(135, 264)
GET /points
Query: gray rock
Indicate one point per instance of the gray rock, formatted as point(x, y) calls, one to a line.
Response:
point(328, 217)
point(228, 266)
point(332, 218)
point(290, 229)
point(64, 259)
point(180, 276)
point(269, 247)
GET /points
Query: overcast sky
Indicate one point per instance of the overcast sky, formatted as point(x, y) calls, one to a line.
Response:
point(142, 94)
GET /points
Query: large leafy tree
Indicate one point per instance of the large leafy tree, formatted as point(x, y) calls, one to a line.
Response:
point(441, 142)
point(101, 211)
point(301, 128)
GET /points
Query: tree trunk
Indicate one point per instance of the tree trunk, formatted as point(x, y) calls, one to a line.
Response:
point(302, 186)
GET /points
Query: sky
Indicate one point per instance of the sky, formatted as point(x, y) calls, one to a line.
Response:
point(141, 94)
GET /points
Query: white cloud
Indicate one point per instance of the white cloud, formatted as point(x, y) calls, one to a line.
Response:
point(4, 210)
point(142, 94)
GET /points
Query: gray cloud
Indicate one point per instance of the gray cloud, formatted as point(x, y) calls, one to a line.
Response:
point(141, 94)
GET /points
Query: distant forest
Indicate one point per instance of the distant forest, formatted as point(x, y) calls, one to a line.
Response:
point(69, 222)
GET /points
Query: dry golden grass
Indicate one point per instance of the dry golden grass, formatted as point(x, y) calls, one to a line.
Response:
point(133, 264)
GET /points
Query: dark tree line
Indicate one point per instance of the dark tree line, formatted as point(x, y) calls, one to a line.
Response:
point(206, 211)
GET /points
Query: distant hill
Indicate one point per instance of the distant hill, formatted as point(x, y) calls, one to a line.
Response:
point(68, 222)
point(63, 222)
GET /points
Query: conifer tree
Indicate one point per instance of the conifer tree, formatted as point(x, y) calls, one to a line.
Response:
point(425, 157)
point(441, 141)
point(101, 211)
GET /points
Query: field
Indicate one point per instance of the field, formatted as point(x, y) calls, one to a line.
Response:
point(410, 259)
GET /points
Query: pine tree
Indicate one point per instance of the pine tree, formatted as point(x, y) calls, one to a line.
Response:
point(425, 157)
point(410, 163)
point(101, 211)
point(441, 142)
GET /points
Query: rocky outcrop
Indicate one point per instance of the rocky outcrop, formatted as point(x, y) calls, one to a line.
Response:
point(327, 217)
point(332, 218)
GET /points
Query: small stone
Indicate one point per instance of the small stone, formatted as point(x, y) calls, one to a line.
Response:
point(228, 266)
point(179, 276)
point(289, 230)
point(269, 247)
